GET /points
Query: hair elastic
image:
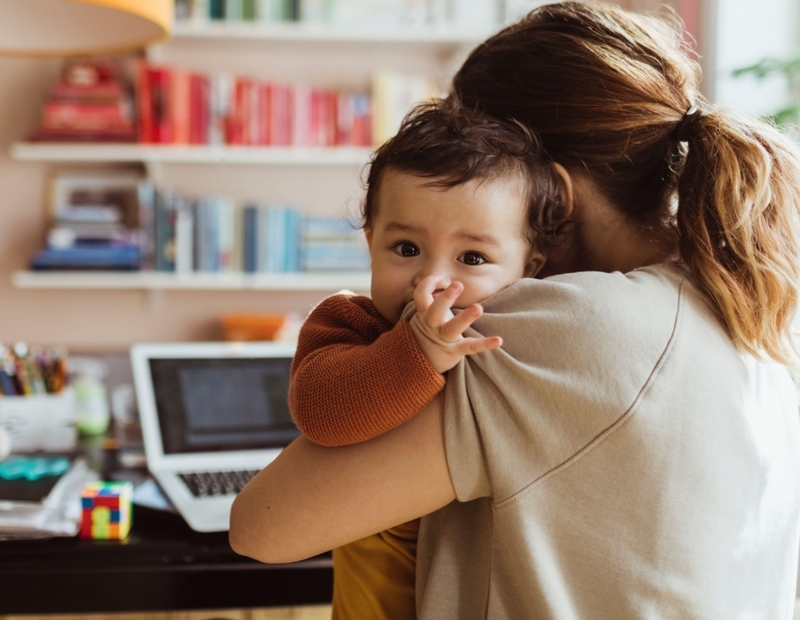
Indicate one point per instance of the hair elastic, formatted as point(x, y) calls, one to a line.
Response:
point(684, 127)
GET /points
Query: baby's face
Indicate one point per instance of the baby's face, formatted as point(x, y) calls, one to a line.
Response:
point(472, 233)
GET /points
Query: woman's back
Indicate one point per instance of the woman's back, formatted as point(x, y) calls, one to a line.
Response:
point(626, 461)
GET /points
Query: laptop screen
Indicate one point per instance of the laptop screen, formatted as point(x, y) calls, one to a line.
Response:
point(222, 404)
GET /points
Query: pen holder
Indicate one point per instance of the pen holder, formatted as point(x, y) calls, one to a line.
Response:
point(40, 423)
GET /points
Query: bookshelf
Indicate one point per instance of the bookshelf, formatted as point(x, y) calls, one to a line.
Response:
point(443, 38)
point(65, 152)
point(156, 281)
point(321, 178)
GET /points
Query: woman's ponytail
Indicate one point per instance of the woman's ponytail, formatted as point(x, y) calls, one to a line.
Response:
point(739, 224)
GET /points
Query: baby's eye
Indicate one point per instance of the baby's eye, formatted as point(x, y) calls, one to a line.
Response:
point(406, 249)
point(472, 258)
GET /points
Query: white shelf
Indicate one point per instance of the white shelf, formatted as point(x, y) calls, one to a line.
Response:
point(327, 33)
point(152, 153)
point(155, 281)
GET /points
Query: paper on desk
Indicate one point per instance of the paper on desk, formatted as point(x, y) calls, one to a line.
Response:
point(149, 494)
point(59, 514)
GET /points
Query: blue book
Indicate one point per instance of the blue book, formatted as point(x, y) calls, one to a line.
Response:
point(293, 234)
point(250, 233)
point(275, 251)
point(122, 258)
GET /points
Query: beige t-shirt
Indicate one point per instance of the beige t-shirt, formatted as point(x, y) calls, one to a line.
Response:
point(618, 458)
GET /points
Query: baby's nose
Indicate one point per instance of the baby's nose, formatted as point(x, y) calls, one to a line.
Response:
point(437, 279)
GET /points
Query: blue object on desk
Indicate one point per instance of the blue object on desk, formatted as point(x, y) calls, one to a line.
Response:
point(33, 468)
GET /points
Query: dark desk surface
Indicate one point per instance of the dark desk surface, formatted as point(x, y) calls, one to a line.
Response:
point(164, 565)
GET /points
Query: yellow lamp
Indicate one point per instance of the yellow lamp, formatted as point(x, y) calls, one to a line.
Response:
point(48, 28)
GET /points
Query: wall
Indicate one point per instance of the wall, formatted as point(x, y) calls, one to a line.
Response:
point(747, 32)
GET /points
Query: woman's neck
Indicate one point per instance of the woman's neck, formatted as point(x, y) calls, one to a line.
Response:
point(603, 239)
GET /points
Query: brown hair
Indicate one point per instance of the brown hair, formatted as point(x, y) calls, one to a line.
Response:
point(443, 141)
point(608, 92)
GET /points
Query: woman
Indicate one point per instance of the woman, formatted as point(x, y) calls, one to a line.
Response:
point(632, 450)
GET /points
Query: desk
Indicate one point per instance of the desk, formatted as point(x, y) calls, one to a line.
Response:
point(164, 565)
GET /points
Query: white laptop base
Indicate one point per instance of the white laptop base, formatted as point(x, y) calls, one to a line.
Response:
point(187, 394)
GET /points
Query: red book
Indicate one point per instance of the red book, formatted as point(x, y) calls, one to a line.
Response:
point(160, 81)
point(262, 114)
point(241, 114)
point(198, 109)
point(280, 115)
point(179, 107)
point(100, 92)
point(300, 115)
point(329, 113)
point(344, 119)
point(73, 135)
point(362, 120)
point(88, 116)
point(144, 102)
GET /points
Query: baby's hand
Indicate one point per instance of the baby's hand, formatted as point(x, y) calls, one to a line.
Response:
point(438, 332)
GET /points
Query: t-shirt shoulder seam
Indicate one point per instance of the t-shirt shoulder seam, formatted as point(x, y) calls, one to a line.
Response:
point(598, 439)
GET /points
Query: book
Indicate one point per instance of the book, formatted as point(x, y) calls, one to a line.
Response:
point(166, 212)
point(146, 193)
point(121, 258)
point(89, 102)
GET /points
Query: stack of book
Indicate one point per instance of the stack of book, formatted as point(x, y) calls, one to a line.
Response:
point(271, 238)
point(333, 244)
point(218, 235)
point(90, 102)
point(89, 237)
point(182, 107)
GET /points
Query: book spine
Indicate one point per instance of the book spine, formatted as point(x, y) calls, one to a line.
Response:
point(160, 80)
point(144, 102)
point(216, 9)
point(184, 237)
point(250, 238)
point(165, 231)
point(179, 104)
point(146, 195)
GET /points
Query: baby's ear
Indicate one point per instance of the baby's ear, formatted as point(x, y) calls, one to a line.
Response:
point(368, 234)
point(535, 263)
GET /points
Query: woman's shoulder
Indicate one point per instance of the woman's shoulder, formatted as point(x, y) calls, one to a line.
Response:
point(589, 311)
point(601, 290)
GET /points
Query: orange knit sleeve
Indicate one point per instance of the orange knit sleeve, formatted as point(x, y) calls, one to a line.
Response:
point(355, 376)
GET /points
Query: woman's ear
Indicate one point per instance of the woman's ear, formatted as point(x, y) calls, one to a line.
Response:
point(566, 188)
point(368, 235)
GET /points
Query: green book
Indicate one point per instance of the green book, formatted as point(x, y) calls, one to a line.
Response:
point(248, 10)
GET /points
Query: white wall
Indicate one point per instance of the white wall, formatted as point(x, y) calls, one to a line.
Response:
point(746, 32)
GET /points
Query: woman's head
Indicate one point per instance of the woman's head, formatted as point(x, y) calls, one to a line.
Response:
point(462, 196)
point(603, 88)
point(614, 97)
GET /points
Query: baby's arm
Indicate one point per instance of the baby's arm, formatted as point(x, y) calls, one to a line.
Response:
point(354, 375)
point(439, 333)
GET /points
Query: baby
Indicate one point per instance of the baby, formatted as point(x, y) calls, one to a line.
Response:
point(458, 207)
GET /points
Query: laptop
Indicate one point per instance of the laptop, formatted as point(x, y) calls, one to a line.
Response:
point(212, 415)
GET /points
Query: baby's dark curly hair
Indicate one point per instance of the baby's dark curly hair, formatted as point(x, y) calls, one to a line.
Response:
point(449, 144)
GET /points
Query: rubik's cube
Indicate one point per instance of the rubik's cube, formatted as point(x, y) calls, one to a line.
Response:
point(106, 510)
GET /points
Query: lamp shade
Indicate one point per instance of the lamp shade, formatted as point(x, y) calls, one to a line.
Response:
point(48, 28)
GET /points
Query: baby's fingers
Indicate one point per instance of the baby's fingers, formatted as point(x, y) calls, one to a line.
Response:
point(471, 346)
point(423, 293)
point(452, 329)
point(439, 313)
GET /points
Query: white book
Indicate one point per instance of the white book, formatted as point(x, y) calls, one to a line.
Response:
point(184, 238)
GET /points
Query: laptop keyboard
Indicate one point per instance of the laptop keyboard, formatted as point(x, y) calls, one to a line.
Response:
point(214, 483)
